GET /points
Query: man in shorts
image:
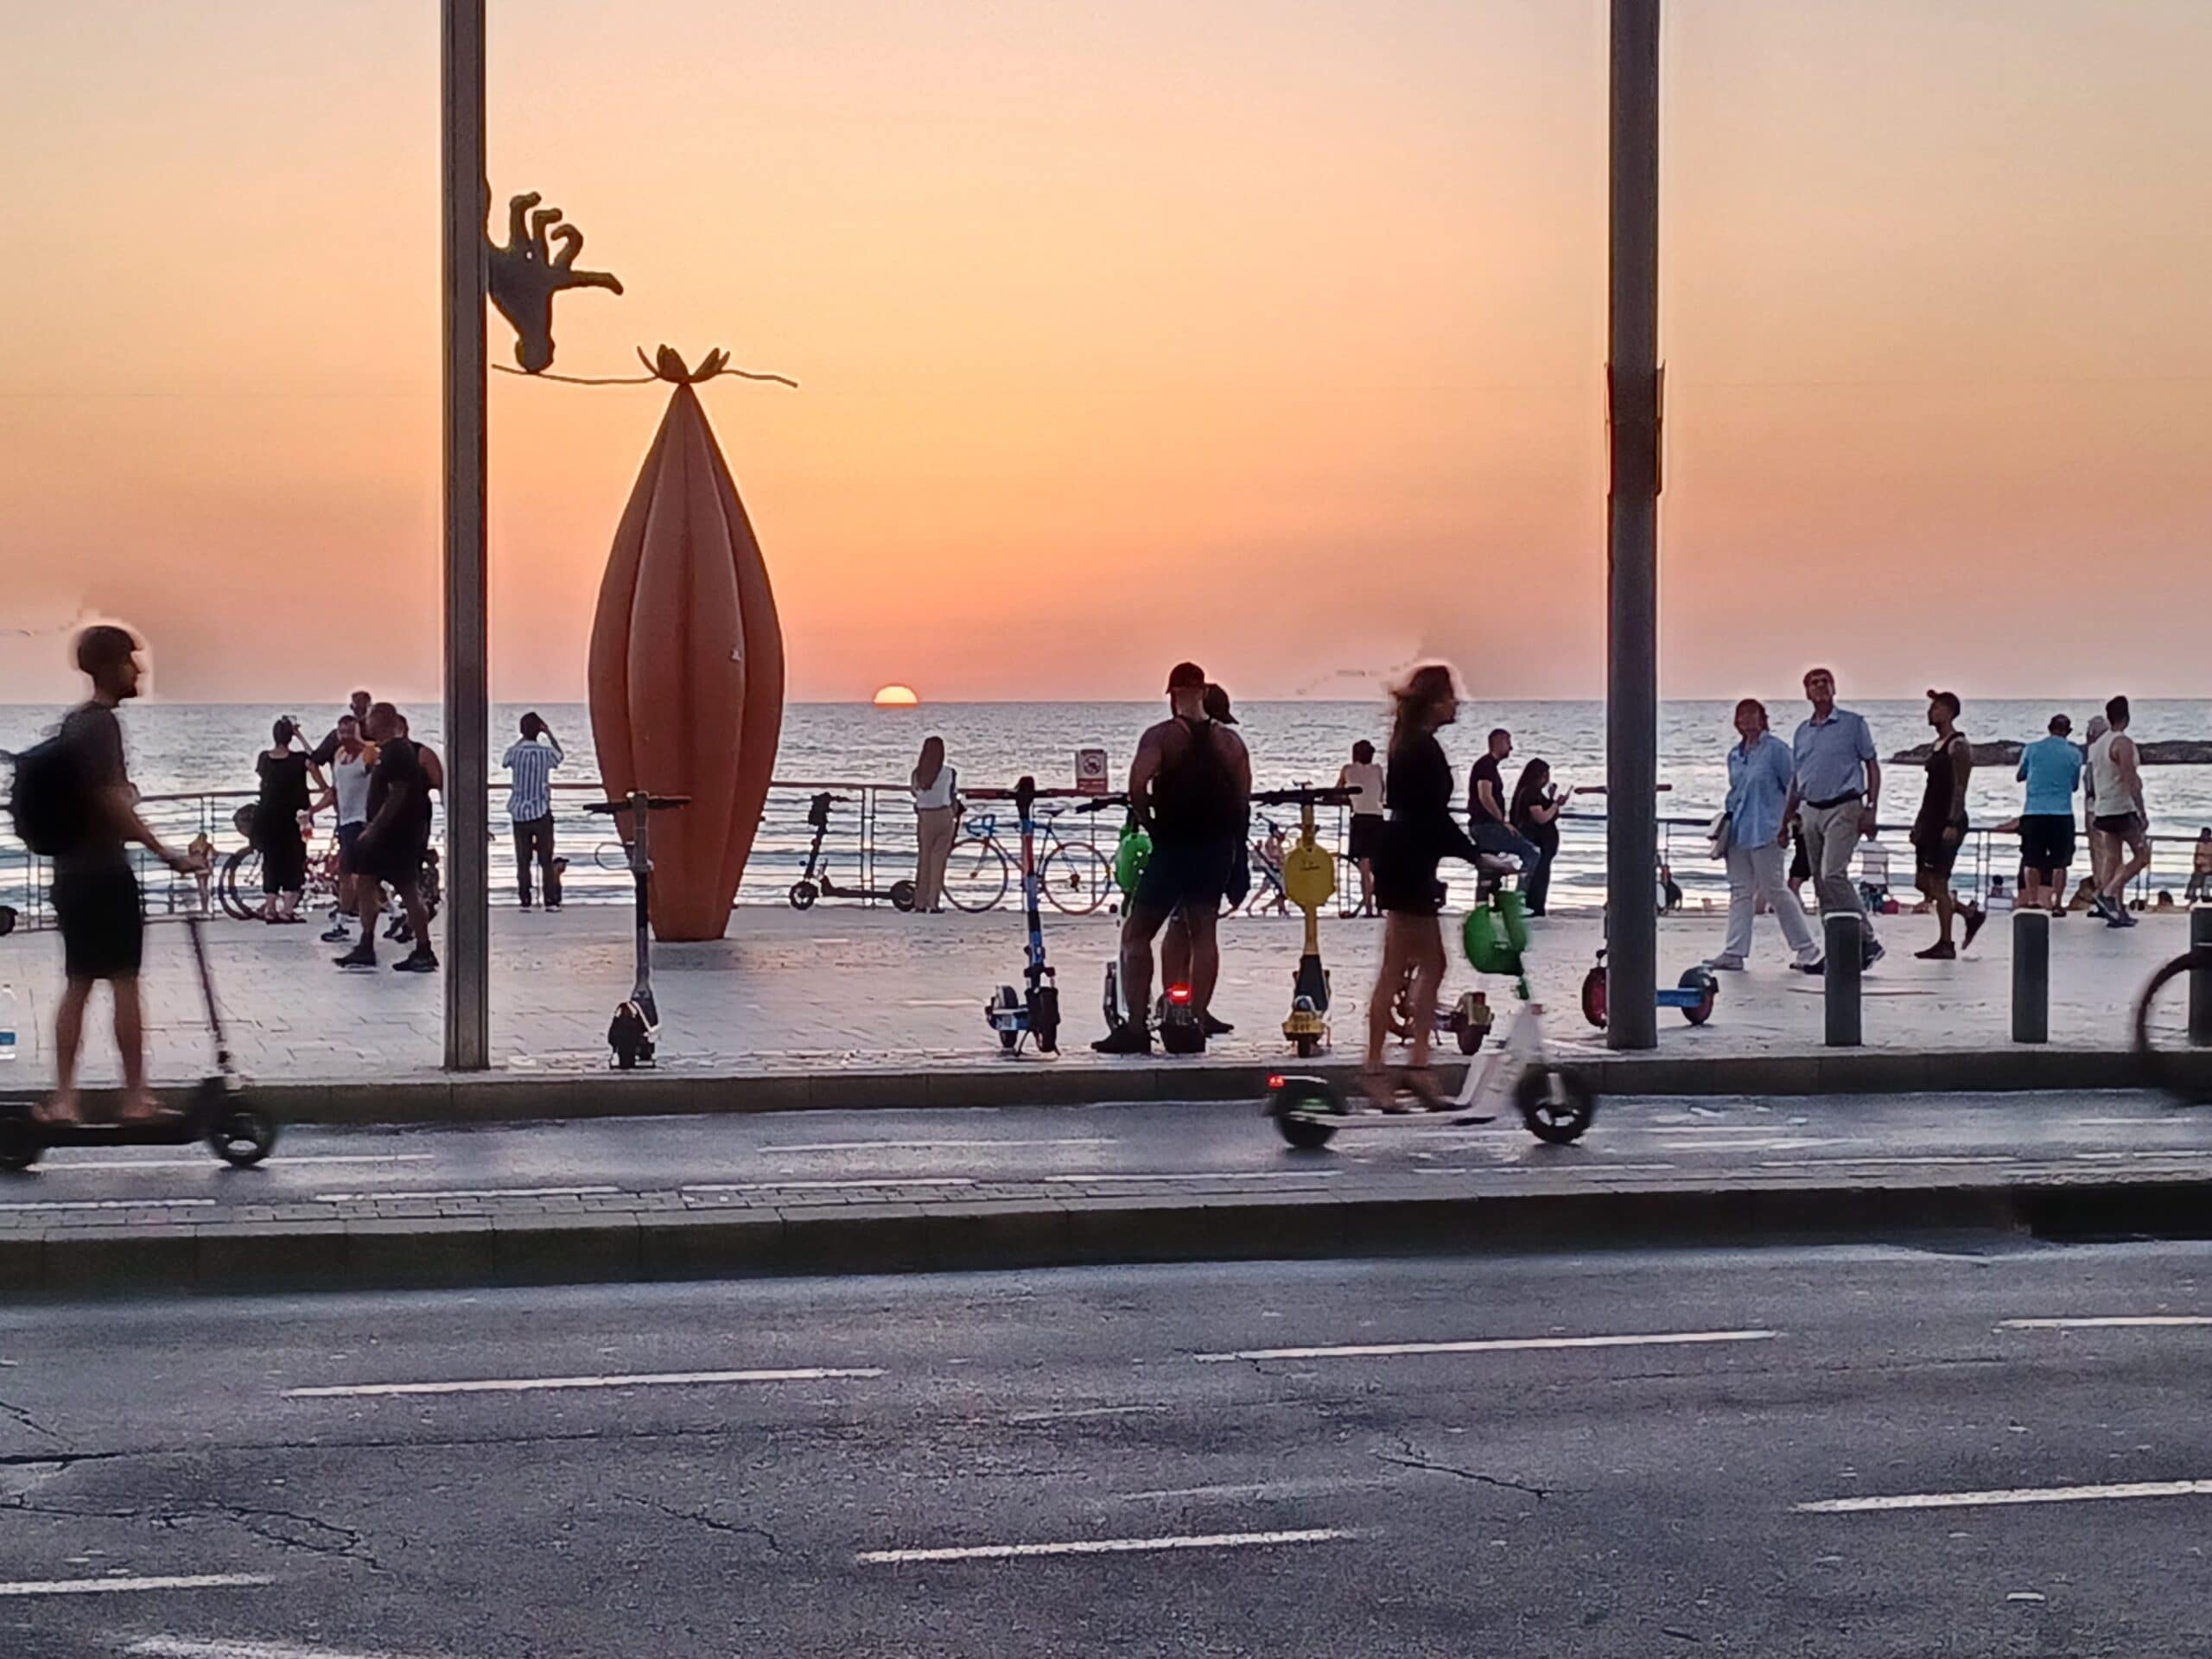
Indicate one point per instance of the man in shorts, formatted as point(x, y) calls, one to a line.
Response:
point(353, 759)
point(2052, 768)
point(395, 841)
point(95, 890)
point(2122, 825)
point(1190, 788)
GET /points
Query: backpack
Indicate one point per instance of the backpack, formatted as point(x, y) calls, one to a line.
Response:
point(47, 798)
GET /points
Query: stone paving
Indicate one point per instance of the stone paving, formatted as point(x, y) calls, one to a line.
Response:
point(868, 989)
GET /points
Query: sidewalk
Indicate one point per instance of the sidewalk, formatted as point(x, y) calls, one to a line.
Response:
point(851, 1005)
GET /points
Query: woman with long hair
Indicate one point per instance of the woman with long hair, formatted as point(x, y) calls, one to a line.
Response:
point(937, 815)
point(285, 770)
point(1423, 830)
point(1535, 812)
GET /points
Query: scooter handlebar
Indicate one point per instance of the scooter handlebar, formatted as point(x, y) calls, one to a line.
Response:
point(1299, 796)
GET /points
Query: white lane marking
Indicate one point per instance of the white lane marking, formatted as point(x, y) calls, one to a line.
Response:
point(823, 1187)
point(931, 1146)
point(180, 1647)
point(1768, 1143)
point(132, 1587)
point(1490, 1345)
point(1312, 1486)
point(1223, 1175)
point(107, 1204)
point(133, 1166)
point(547, 1384)
point(1597, 1166)
point(1862, 1163)
point(2111, 1322)
point(466, 1192)
point(1026, 1417)
point(1106, 1546)
point(2008, 1494)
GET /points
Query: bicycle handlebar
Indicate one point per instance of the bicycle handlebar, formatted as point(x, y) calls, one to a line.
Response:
point(653, 804)
point(1303, 795)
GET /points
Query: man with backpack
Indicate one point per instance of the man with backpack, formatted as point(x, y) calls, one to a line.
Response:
point(74, 804)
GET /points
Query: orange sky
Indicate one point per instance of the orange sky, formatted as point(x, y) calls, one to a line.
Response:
point(1266, 331)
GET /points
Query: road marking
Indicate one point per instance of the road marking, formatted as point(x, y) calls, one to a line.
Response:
point(932, 1146)
point(1107, 1547)
point(132, 1165)
point(1223, 1175)
point(1490, 1345)
point(179, 1647)
point(548, 1384)
point(132, 1587)
point(1310, 1486)
point(466, 1193)
point(2111, 1322)
point(1599, 1166)
point(2009, 1495)
point(107, 1204)
point(824, 1186)
point(1862, 1163)
point(1765, 1144)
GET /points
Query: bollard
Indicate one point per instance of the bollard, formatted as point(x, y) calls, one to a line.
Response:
point(2200, 977)
point(1847, 941)
point(2030, 976)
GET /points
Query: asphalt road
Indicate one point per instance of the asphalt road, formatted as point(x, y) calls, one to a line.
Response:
point(942, 1152)
point(1850, 1452)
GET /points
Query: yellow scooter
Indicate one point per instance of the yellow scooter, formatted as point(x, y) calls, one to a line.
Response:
point(1309, 878)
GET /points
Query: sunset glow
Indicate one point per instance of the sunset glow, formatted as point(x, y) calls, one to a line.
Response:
point(896, 696)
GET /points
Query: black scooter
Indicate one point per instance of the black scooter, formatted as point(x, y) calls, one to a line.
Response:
point(816, 882)
point(1034, 1014)
point(238, 1132)
point(634, 1034)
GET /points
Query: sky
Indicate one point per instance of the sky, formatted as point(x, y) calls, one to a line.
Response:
point(1264, 332)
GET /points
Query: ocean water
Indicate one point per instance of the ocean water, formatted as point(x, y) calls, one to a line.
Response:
point(200, 754)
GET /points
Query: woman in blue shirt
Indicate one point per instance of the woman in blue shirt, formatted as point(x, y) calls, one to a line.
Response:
point(1760, 770)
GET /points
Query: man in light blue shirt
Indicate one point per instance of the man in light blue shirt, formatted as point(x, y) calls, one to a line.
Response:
point(2052, 768)
point(1760, 770)
point(1834, 798)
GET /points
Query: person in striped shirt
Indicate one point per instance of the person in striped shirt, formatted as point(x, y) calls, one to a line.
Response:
point(529, 766)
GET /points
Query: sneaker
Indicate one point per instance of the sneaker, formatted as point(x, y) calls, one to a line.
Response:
point(526, 906)
point(1875, 952)
point(551, 909)
point(2119, 918)
point(338, 936)
point(1818, 969)
point(1215, 1027)
point(2105, 907)
point(1975, 917)
point(1131, 1037)
point(416, 961)
point(361, 955)
point(1940, 952)
point(1726, 964)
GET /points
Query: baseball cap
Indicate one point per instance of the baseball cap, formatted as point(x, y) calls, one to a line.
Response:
point(1951, 697)
point(1184, 676)
point(1218, 707)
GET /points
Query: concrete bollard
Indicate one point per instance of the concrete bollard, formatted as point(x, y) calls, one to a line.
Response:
point(2200, 977)
point(2030, 976)
point(1846, 942)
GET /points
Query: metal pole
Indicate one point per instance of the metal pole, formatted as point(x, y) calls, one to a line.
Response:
point(1847, 943)
point(2030, 976)
point(2200, 977)
point(469, 917)
point(1632, 534)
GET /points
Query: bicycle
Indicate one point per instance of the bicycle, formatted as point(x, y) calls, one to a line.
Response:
point(237, 881)
point(1076, 877)
point(2183, 1072)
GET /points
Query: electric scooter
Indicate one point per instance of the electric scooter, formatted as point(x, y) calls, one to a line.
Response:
point(816, 882)
point(236, 1131)
point(1695, 994)
point(1555, 1103)
point(633, 1035)
point(1033, 1016)
point(1309, 877)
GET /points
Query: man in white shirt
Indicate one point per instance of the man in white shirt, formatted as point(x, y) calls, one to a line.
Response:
point(352, 758)
point(529, 766)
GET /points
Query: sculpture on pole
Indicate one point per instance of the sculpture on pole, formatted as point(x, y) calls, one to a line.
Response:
point(687, 662)
point(537, 262)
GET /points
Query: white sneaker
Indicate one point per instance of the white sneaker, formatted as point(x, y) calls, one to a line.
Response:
point(1725, 963)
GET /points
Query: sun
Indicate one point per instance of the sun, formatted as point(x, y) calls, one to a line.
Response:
point(896, 696)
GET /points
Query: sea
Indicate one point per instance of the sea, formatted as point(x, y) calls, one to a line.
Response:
point(194, 762)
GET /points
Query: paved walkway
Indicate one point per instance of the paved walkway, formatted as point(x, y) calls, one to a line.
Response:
point(870, 989)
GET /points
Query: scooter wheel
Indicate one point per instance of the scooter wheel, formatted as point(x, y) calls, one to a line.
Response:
point(902, 895)
point(1702, 980)
point(1470, 1037)
point(802, 895)
point(1306, 1134)
point(1594, 996)
point(1555, 1104)
point(20, 1145)
point(242, 1137)
point(1308, 1047)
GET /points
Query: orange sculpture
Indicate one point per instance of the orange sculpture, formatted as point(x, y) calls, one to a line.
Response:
point(687, 663)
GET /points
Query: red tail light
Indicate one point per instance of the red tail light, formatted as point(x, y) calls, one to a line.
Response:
point(1275, 1082)
point(1178, 995)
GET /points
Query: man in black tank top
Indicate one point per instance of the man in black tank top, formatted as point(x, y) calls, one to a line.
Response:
point(1191, 786)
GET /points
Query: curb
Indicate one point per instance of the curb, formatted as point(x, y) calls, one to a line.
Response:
point(507, 1098)
point(468, 1252)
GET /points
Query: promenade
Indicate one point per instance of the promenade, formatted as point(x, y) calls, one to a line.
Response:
point(865, 993)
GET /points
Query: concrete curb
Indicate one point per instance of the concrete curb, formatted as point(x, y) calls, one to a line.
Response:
point(453, 1252)
point(509, 1098)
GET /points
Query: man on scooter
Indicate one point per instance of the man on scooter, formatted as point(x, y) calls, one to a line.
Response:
point(1190, 789)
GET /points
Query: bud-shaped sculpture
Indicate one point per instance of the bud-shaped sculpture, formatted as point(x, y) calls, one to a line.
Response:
point(687, 665)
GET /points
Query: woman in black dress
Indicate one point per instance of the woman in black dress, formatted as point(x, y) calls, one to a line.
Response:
point(1535, 812)
point(284, 770)
point(1422, 831)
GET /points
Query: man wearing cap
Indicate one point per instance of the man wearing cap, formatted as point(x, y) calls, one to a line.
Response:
point(2052, 768)
point(1190, 788)
point(1834, 798)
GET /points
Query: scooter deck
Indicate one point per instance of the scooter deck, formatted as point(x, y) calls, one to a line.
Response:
point(182, 1129)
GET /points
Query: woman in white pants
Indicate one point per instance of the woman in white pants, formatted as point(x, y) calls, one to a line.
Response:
point(1760, 768)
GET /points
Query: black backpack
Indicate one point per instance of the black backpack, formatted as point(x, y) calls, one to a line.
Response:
point(47, 798)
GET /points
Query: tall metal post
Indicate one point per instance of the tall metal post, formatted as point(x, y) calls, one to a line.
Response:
point(1632, 533)
point(468, 898)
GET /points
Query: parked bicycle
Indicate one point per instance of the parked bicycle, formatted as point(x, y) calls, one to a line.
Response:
point(1077, 878)
point(2173, 1040)
point(237, 880)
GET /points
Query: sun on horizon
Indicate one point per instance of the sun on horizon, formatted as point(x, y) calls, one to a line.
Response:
point(897, 697)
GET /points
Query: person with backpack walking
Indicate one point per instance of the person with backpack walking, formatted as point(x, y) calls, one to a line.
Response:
point(73, 802)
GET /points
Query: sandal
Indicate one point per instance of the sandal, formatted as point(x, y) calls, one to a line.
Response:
point(1379, 1094)
point(1421, 1083)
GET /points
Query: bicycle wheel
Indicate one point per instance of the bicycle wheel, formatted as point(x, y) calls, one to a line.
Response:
point(239, 887)
point(2162, 1044)
point(1077, 878)
point(975, 874)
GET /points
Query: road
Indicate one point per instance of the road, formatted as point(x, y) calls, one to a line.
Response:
point(939, 1154)
point(1848, 1450)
